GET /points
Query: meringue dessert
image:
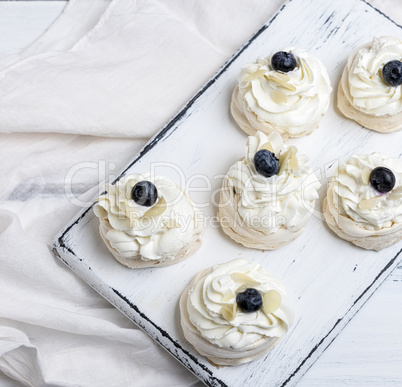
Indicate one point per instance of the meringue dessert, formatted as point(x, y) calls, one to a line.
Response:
point(268, 196)
point(148, 221)
point(235, 312)
point(364, 201)
point(369, 91)
point(288, 92)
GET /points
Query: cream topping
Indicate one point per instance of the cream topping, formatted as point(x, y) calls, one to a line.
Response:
point(282, 200)
point(214, 295)
point(362, 81)
point(295, 100)
point(354, 197)
point(155, 233)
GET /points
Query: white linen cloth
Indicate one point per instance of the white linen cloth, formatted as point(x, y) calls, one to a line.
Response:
point(105, 68)
point(126, 76)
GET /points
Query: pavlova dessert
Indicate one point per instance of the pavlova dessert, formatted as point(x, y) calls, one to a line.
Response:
point(370, 90)
point(287, 92)
point(148, 221)
point(268, 196)
point(235, 312)
point(364, 201)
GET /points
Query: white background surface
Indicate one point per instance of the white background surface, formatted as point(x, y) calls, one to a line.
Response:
point(369, 350)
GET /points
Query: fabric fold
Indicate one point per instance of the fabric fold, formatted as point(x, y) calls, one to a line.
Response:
point(129, 74)
point(51, 322)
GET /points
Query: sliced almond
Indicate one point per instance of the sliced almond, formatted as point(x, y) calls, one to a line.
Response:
point(294, 164)
point(366, 175)
point(243, 279)
point(285, 158)
point(271, 301)
point(157, 209)
point(278, 97)
point(268, 146)
point(228, 311)
point(228, 296)
point(284, 81)
point(396, 193)
point(368, 204)
point(256, 75)
point(281, 77)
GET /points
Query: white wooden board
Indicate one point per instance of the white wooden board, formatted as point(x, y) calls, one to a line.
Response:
point(328, 278)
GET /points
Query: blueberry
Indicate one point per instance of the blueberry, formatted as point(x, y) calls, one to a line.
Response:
point(145, 193)
point(382, 179)
point(283, 61)
point(392, 73)
point(249, 301)
point(266, 163)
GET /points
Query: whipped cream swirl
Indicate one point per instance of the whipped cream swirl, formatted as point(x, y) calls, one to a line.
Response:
point(362, 80)
point(282, 200)
point(294, 101)
point(217, 291)
point(355, 198)
point(154, 233)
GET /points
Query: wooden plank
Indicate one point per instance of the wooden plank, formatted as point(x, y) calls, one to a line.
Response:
point(330, 279)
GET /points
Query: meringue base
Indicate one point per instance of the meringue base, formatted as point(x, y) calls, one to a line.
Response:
point(218, 355)
point(249, 122)
point(383, 124)
point(235, 227)
point(372, 241)
point(137, 261)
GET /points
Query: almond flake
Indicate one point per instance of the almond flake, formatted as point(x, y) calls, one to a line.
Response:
point(366, 175)
point(157, 209)
point(368, 204)
point(278, 97)
point(256, 75)
point(228, 296)
point(396, 193)
point(271, 301)
point(268, 146)
point(294, 164)
point(285, 158)
point(228, 311)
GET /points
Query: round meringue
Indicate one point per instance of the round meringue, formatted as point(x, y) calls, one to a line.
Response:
point(356, 212)
point(218, 329)
point(140, 236)
point(291, 103)
point(363, 95)
point(267, 213)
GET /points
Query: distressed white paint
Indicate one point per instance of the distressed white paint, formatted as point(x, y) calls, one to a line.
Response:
point(328, 278)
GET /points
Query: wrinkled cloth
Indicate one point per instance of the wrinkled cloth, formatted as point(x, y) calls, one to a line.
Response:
point(135, 60)
point(54, 329)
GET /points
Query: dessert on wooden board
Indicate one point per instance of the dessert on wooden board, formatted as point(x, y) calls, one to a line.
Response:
point(364, 201)
point(235, 312)
point(370, 88)
point(268, 196)
point(148, 221)
point(287, 92)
